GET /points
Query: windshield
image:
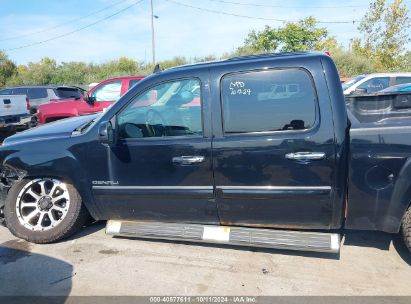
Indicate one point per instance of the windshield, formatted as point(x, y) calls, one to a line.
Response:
point(351, 82)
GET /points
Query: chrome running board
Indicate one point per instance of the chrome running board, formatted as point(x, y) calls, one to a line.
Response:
point(242, 236)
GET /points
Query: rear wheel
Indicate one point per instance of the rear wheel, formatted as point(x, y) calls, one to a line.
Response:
point(44, 210)
point(406, 228)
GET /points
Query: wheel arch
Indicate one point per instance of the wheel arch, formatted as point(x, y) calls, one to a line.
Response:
point(400, 199)
point(64, 167)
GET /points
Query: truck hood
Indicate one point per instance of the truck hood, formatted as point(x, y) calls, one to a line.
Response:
point(57, 129)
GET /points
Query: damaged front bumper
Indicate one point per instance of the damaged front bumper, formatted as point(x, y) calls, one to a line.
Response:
point(4, 189)
point(8, 177)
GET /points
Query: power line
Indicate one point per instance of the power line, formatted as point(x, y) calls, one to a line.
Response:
point(62, 24)
point(281, 6)
point(252, 17)
point(76, 30)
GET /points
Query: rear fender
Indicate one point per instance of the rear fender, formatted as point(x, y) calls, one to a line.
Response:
point(400, 199)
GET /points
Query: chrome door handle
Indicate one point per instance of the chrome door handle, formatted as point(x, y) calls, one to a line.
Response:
point(305, 156)
point(188, 160)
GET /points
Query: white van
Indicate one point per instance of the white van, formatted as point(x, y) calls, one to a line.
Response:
point(374, 82)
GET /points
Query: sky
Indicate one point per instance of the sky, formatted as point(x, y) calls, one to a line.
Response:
point(81, 30)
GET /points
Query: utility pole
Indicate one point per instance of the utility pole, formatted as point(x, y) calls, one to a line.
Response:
point(153, 42)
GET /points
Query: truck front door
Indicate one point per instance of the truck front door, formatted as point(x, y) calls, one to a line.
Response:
point(161, 168)
point(274, 153)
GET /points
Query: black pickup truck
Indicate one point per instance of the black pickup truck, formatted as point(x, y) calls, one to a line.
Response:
point(254, 151)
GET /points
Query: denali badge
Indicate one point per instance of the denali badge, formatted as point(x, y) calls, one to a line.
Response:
point(109, 183)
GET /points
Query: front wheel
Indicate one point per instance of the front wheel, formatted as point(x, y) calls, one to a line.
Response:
point(406, 228)
point(44, 210)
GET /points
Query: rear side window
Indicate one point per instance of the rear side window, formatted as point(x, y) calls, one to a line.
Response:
point(68, 93)
point(20, 91)
point(402, 80)
point(264, 101)
point(36, 93)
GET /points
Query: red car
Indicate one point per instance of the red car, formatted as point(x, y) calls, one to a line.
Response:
point(95, 100)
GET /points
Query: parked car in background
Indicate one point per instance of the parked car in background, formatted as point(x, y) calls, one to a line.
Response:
point(14, 112)
point(374, 82)
point(39, 95)
point(95, 100)
point(406, 87)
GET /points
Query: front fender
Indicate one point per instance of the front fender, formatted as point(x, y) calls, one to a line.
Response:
point(60, 164)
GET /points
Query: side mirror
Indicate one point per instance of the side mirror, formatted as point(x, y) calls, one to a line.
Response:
point(360, 91)
point(106, 133)
point(89, 99)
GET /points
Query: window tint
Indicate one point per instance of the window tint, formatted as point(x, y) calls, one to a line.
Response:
point(35, 93)
point(108, 92)
point(275, 100)
point(401, 80)
point(20, 91)
point(168, 109)
point(375, 84)
point(68, 93)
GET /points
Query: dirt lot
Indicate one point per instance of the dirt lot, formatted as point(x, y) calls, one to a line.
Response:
point(92, 263)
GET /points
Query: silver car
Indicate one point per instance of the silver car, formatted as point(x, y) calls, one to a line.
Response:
point(38, 95)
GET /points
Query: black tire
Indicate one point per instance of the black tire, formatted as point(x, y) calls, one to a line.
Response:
point(406, 228)
point(75, 218)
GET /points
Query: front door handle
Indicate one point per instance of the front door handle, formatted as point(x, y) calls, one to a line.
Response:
point(188, 160)
point(305, 156)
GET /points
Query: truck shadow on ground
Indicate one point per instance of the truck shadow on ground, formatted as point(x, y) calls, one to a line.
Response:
point(379, 240)
point(24, 273)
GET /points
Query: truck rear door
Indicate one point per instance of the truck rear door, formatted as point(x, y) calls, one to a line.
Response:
point(273, 152)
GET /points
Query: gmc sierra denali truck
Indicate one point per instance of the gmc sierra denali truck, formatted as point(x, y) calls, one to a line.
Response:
point(213, 152)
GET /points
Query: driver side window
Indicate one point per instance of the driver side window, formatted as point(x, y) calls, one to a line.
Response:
point(168, 109)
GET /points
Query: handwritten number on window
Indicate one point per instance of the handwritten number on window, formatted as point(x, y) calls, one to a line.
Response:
point(239, 88)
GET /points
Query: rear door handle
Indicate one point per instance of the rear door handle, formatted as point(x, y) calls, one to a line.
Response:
point(305, 156)
point(188, 160)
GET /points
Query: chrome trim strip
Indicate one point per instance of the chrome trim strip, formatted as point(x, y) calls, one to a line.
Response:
point(302, 188)
point(154, 187)
point(381, 130)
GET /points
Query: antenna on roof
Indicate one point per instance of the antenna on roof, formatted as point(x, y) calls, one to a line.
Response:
point(157, 69)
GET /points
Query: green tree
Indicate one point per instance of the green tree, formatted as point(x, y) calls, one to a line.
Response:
point(42, 72)
point(7, 68)
point(350, 64)
point(303, 35)
point(385, 31)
